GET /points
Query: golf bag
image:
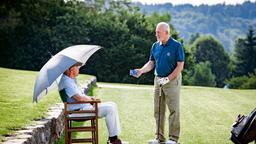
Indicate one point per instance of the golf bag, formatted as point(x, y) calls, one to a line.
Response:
point(244, 129)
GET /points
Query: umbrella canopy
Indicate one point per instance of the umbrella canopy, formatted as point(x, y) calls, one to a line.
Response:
point(51, 72)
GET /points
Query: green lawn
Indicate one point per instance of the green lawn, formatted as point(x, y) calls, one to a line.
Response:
point(206, 113)
point(16, 107)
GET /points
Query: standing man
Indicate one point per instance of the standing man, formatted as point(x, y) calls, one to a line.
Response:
point(167, 57)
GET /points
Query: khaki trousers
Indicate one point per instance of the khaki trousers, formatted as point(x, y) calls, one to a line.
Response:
point(170, 96)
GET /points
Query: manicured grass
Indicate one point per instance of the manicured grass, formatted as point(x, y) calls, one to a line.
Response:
point(16, 107)
point(206, 113)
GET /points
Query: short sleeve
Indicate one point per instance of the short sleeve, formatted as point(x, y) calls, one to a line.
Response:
point(71, 89)
point(151, 57)
point(180, 53)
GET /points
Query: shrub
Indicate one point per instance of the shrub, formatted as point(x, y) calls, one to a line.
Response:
point(243, 82)
point(203, 75)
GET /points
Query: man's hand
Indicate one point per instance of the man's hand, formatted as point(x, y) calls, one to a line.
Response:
point(163, 81)
point(139, 73)
point(146, 68)
point(136, 73)
point(94, 98)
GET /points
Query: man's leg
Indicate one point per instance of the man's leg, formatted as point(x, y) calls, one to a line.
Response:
point(172, 94)
point(110, 112)
point(156, 111)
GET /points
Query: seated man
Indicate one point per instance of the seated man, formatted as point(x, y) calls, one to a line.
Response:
point(107, 110)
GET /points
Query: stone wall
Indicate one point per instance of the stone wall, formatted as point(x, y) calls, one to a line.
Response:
point(47, 130)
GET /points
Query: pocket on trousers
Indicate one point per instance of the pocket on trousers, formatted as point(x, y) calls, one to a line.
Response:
point(175, 82)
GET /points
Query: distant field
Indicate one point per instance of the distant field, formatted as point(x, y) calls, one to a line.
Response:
point(206, 113)
point(16, 107)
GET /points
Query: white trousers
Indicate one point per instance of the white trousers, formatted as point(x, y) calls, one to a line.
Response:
point(110, 112)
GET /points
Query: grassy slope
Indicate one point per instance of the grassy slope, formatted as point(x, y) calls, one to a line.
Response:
point(16, 107)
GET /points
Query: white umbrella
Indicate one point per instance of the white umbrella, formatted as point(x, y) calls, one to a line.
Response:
point(51, 72)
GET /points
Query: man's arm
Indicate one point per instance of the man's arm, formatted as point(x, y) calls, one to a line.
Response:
point(80, 98)
point(176, 71)
point(146, 68)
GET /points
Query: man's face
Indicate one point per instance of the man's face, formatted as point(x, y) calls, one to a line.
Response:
point(75, 70)
point(161, 34)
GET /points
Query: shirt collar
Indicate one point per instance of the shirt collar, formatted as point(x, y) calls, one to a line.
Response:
point(167, 43)
point(67, 77)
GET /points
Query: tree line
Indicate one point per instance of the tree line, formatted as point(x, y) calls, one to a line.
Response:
point(213, 66)
point(32, 31)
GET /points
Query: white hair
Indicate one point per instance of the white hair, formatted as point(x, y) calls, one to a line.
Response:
point(165, 26)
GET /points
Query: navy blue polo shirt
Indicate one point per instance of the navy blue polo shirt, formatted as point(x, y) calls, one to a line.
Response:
point(166, 56)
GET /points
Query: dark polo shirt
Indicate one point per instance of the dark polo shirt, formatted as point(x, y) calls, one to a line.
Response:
point(166, 56)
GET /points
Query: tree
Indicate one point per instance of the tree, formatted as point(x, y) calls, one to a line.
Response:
point(203, 75)
point(245, 54)
point(193, 37)
point(27, 43)
point(206, 48)
point(126, 39)
point(31, 30)
point(188, 66)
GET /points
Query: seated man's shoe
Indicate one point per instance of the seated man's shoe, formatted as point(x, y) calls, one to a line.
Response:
point(171, 142)
point(117, 141)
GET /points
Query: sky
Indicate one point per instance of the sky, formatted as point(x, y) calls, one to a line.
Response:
point(193, 2)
